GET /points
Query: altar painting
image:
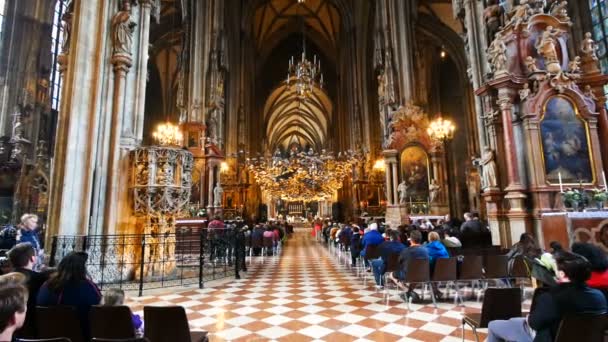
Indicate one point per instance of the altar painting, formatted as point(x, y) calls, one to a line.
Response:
point(565, 143)
point(415, 172)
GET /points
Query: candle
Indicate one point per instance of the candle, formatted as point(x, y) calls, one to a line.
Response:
point(561, 187)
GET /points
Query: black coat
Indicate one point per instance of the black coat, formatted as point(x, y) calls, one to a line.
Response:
point(561, 300)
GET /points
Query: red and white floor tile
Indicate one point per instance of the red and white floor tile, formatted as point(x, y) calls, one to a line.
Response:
point(306, 295)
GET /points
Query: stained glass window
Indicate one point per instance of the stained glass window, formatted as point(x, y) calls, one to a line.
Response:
point(56, 38)
point(599, 19)
point(2, 12)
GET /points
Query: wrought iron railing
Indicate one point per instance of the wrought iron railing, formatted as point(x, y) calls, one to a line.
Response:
point(139, 262)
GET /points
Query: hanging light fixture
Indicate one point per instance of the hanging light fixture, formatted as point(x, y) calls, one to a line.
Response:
point(304, 75)
point(168, 134)
point(441, 129)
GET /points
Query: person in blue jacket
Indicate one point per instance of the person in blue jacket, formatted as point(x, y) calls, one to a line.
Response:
point(371, 238)
point(436, 249)
point(393, 246)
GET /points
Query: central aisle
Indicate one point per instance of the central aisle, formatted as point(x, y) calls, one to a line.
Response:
point(305, 295)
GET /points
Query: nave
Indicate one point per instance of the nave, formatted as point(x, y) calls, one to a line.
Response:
point(304, 294)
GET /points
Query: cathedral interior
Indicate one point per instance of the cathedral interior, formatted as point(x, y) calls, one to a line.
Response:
point(125, 117)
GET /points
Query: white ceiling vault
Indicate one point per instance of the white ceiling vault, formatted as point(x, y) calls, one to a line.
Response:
point(289, 119)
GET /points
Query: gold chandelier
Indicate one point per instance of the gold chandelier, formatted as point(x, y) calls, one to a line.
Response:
point(168, 134)
point(302, 176)
point(441, 129)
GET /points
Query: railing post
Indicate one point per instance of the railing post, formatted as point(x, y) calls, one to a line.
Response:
point(201, 258)
point(141, 265)
point(53, 251)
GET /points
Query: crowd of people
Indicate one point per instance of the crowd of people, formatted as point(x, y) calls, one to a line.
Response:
point(570, 282)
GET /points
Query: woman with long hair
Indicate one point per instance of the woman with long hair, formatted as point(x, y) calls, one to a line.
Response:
point(71, 286)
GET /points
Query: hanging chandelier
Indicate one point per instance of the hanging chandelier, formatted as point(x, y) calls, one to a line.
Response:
point(302, 176)
point(304, 75)
point(168, 134)
point(441, 129)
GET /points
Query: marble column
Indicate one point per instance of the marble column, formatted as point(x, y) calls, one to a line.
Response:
point(395, 180)
point(390, 187)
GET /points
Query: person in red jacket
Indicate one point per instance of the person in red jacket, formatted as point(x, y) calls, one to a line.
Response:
point(599, 264)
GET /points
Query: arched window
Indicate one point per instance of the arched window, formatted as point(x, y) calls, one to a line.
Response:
point(599, 19)
point(2, 12)
point(57, 37)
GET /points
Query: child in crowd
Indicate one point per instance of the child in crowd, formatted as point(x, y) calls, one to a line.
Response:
point(116, 297)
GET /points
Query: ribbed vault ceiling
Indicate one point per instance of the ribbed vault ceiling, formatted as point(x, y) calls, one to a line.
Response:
point(289, 119)
point(274, 15)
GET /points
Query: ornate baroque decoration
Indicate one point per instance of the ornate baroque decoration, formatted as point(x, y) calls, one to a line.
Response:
point(408, 124)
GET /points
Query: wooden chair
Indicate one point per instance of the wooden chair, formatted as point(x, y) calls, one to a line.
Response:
point(371, 252)
point(135, 339)
point(392, 265)
point(471, 270)
point(445, 272)
point(57, 339)
point(111, 322)
point(419, 272)
point(498, 303)
point(257, 243)
point(169, 324)
point(582, 328)
point(497, 268)
point(268, 243)
point(59, 321)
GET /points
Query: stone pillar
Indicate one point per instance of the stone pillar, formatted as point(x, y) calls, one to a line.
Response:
point(211, 173)
point(395, 180)
point(389, 185)
point(517, 213)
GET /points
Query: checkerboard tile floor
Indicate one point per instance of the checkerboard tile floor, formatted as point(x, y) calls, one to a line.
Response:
point(306, 295)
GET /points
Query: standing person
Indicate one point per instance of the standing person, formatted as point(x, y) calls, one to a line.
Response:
point(471, 231)
point(27, 232)
point(570, 296)
point(13, 309)
point(23, 258)
point(71, 285)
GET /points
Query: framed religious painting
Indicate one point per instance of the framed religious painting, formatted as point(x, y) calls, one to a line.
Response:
point(565, 143)
point(415, 172)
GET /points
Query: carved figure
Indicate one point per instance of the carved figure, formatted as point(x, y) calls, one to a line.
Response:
point(66, 20)
point(491, 16)
point(217, 195)
point(434, 190)
point(531, 64)
point(381, 85)
point(589, 47)
point(520, 14)
point(488, 165)
point(547, 47)
point(559, 9)
point(497, 54)
point(212, 125)
point(589, 93)
point(122, 29)
point(574, 67)
point(402, 190)
point(42, 93)
point(164, 174)
point(524, 92)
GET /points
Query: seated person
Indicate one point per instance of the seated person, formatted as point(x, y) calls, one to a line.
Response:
point(71, 286)
point(599, 264)
point(393, 246)
point(23, 258)
point(13, 306)
point(436, 249)
point(570, 296)
point(116, 297)
point(414, 251)
point(355, 246)
point(371, 238)
point(449, 240)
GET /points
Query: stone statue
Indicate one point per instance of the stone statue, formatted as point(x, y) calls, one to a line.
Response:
point(491, 16)
point(547, 47)
point(589, 47)
point(488, 165)
point(402, 190)
point(524, 92)
point(519, 15)
point(497, 54)
point(122, 29)
point(589, 93)
point(559, 9)
point(434, 190)
point(217, 195)
point(212, 125)
point(574, 67)
point(66, 20)
point(18, 130)
point(531, 64)
point(381, 85)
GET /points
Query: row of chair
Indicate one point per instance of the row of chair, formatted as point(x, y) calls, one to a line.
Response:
point(505, 303)
point(162, 324)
